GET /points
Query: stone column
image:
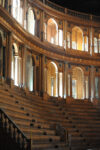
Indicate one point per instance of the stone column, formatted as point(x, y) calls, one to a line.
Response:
point(99, 87)
point(16, 70)
point(66, 81)
point(64, 33)
point(92, 41)
point(63, 79)
point(70, 84)
point(70, 40)
point(92, 83)
point(42, 25)
point(89, 44)
point(24, 14)
point(58, 82)
point(24, 56)
point(83, 42)
point(84, 87)
point(9, 55)
point(98, 44)
point(34, 78)
point(42, 74)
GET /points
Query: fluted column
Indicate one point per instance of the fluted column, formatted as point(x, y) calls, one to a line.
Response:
point(42, 73)
point(9, 55)
point(92, 83)
point(34, 78)
point(84, 87)
point(42, 24)
point(70, 84)
point(70, 40)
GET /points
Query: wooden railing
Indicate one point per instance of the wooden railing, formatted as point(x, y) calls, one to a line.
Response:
point(78, 14)
point(55, 6)
point(14, 132)
point(71, 12)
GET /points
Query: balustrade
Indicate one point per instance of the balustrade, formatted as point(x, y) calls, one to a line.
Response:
point(14, 132)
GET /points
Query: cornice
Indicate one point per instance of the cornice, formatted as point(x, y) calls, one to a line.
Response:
point(11, 25)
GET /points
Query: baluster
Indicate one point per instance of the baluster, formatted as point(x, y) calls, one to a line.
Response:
point(9, 129)
point(14, 133)
point(70, 141)
point(23, 143)
point(1, 119)
point(29, 144)
point(18, 137)
point(5, 123)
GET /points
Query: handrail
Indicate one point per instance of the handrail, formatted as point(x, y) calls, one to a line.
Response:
point(16, 134)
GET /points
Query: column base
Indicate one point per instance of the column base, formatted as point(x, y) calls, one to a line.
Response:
point(10, 82)
point(60, 98)
point(96, 102)
point(36, 93)
point(2, 80)
point(86, 100)
point(69, 99)
point(45, 96)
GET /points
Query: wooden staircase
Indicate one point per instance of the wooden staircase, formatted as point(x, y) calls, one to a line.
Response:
point(53, 124)
point(34, 117)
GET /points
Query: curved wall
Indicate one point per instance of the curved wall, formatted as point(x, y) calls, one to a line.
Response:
point(49, 33)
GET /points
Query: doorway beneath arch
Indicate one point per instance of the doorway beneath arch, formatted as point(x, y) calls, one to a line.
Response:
point(16, 69)
point(77, 83)
point(52, 79)
point(29, 72)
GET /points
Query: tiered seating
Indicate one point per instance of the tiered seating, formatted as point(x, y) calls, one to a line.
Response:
point(56, 116)
point(86, 119)
point(33, 118)
point(37, 119)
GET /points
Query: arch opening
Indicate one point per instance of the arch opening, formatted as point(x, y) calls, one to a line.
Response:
point(77, 83)
point(77, 39)
point(52, 79)
point(52, 31)
point(31, 21)
point(17, 11)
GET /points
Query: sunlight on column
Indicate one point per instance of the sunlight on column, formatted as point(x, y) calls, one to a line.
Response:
point(60, 85)
point(68, 39)
point(95, 45)
point(87, 89)
point(31, 22)
point(60, 38)
point(16, 70)
point(74, 89)
point(74, 45)
point(12, 70)
point(17, 11)
point(69, 85)
point(86, 43)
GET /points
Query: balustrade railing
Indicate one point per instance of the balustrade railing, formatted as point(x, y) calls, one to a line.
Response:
point(55, 6)
point(78, 14)
point(70, 12)
point(14, 132)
